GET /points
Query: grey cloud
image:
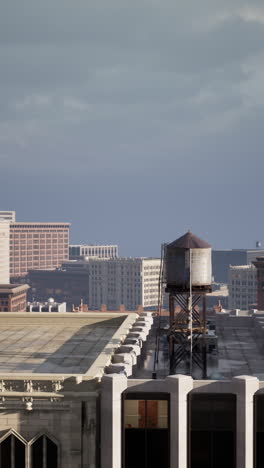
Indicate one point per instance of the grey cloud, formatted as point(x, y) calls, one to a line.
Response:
point(128, 96)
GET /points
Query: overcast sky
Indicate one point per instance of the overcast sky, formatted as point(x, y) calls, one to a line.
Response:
point(134, 120)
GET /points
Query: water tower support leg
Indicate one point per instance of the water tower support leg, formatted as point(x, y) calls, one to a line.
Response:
point(171, 308)
point(204, 350)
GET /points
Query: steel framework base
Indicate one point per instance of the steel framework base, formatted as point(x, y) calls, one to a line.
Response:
point(186, 336)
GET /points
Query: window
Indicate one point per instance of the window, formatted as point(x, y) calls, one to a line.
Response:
point(145, 426)
point(212, 427)
point(12, 451)
point(259, 430)
point(44, 453)
point(15, 452)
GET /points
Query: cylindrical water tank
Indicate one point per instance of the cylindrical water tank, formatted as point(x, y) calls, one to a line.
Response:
point(188, 253)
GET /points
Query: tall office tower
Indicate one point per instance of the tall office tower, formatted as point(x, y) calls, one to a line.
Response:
point(102, 251)
point(242, 287)
point(8, 215)
point(128, 281)
point(37, 246)
point(4, 251)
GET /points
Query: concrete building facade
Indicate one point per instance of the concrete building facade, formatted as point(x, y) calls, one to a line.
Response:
point(8, 215)
point(69, 400)
point(128, 281)
point(76, 252)
point(37, 246)
point(131, 282)
point(242, 286)
point(4, 251)
point(179, 422)
point(50, 386)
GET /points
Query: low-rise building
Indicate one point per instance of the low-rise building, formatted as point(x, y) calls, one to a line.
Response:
point(8, 215)
point(242, 287)
point(64, 285)
point(49, 306)
point(13, 297)
point(77, 252)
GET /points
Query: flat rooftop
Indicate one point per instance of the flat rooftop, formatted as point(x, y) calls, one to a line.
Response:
point(240, 351)
point(52, 343)
point(13, 288)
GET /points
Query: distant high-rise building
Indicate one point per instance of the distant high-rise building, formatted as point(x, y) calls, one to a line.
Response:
point(77, 252)
point(242, 287)
point(4, 251)
point(48, 306)
point(222, 259)
point(8, 215)
point(37, 246)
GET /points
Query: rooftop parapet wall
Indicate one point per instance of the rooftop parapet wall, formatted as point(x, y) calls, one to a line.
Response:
point(226, 321)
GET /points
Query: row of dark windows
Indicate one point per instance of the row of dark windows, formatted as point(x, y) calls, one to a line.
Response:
point(211, 436)
point(38, 226)
point(43, 452)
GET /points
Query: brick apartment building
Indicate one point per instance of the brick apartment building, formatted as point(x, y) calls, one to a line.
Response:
point(37, 246)
point(13, 298)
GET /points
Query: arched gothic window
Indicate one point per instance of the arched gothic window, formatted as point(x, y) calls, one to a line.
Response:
point(44, 453)
point(12, 451)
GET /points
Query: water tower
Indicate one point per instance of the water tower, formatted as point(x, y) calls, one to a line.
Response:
point(188, 278)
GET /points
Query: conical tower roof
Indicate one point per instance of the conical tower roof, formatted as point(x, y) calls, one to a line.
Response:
point(189, 241)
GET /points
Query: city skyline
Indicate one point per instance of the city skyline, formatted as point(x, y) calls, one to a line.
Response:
point(132, 278)
point(125, 249)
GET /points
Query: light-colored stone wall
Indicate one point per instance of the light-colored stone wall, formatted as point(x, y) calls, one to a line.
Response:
point(4, 251)
point(71, 424)
point(242, 286)
point(178, 387)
